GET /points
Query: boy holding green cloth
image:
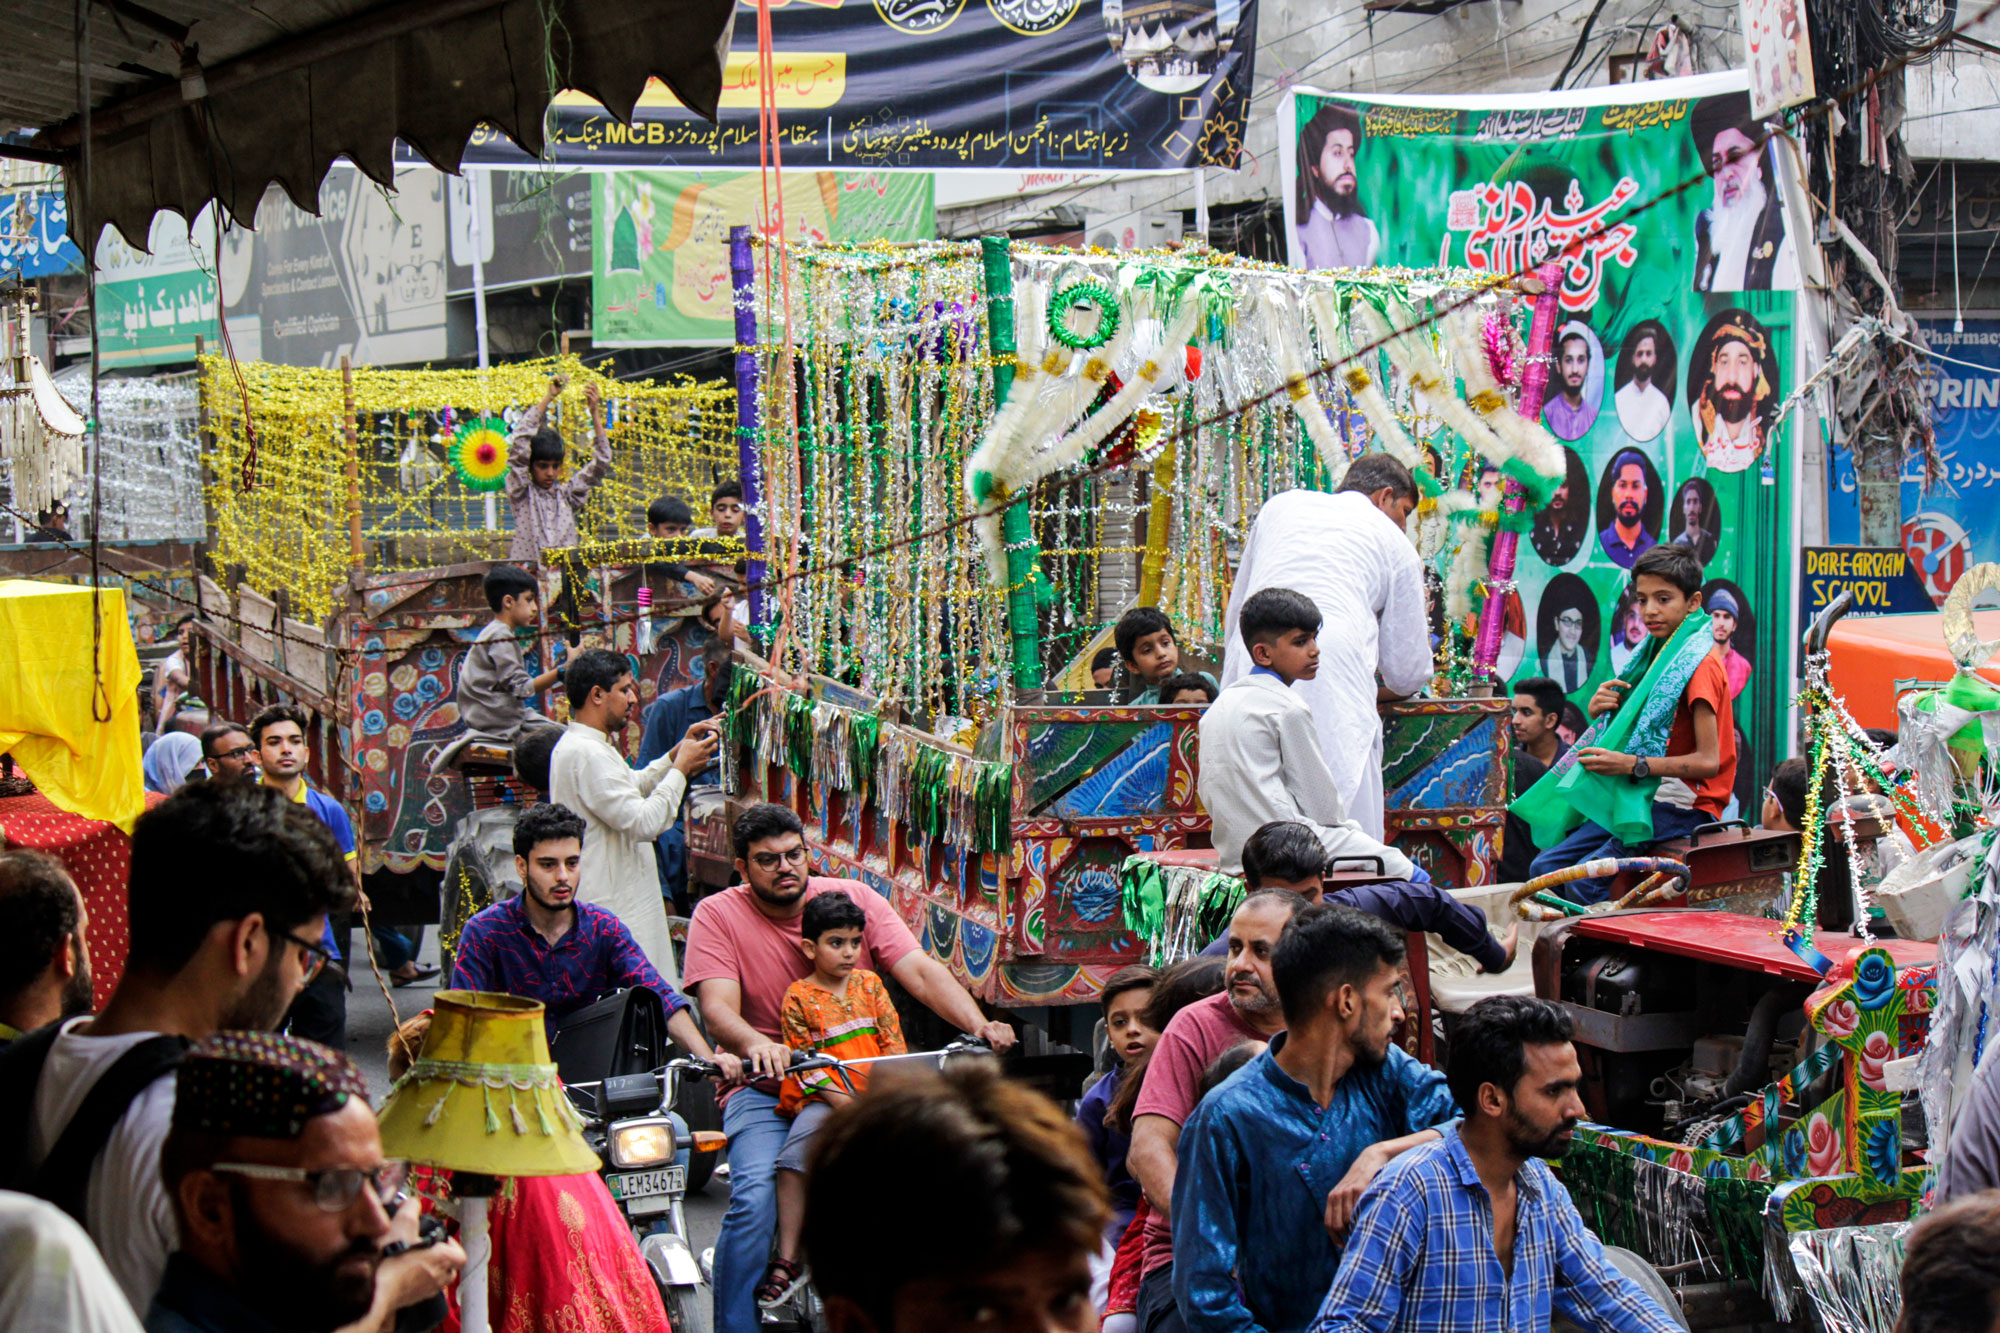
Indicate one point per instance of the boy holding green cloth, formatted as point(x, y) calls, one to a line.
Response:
point(1660, 758)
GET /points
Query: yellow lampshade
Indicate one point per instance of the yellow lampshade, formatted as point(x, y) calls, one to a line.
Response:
point(482, 1095)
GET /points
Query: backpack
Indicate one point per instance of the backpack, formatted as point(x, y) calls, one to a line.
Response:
point(63, 1177)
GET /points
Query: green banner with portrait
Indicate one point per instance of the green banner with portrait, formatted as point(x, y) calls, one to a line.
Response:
point(1675, 341)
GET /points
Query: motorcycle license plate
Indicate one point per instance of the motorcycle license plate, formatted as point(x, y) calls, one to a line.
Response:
point(632, 1186)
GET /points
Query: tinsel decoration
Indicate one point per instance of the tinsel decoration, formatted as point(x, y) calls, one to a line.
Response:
point(1175, 910)
point(1850, 1277)
point(1094, 297)
point(479, 454)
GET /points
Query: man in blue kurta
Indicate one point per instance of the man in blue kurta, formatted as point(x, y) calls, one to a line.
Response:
point(1275, 1158)
point(667, 721)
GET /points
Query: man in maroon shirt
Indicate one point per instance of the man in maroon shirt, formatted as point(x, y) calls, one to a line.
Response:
point(743, 951)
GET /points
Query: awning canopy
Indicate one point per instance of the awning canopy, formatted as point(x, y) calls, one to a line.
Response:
point(195, 101)
point(1876, 658)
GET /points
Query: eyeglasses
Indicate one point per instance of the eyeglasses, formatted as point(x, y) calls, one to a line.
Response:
point(1570, 619)
point(336, 1188)
point(236, 753)
point(794, 856)
point(317, 954)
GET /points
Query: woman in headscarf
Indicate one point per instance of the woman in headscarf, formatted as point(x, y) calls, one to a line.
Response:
point(169, 760)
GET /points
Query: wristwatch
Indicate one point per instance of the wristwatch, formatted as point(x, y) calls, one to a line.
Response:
point(1640, 768)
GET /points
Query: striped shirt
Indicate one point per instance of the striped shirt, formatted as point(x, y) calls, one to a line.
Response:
point(856, 1026)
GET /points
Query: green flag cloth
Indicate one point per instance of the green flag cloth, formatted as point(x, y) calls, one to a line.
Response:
point(1569, 793)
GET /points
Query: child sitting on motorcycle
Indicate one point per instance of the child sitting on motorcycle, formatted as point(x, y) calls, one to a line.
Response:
point(841, 1011)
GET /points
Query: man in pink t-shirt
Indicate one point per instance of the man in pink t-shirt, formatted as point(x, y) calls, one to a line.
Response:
point(743, 951)
point(1246, 1010)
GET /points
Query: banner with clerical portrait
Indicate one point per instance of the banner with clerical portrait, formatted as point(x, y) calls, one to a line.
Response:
point(1674, 348)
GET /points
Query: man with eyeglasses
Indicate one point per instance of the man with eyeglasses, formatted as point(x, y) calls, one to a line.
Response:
point(228, 752)
point(230, 888)
point(1567, 662)
point(279, 732)
point(743, 951)
point(284, 1200)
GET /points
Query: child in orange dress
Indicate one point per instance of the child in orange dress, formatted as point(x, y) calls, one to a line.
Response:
point(841, 1011)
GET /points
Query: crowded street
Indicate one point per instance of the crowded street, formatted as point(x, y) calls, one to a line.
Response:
point(1062, 666)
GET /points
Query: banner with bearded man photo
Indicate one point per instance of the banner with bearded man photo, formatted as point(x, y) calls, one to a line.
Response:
point(1733, 390)
point(1741, 241)
point(1333, 229)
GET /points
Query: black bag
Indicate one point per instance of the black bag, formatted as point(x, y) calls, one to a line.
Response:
point(63, 1178)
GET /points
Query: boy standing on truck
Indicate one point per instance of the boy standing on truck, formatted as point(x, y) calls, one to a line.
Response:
point(545, 506)
point(1660, 759)
point(842, 1011)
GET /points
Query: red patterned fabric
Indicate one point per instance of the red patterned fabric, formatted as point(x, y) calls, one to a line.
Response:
point(99, 859)
point(564, 1261)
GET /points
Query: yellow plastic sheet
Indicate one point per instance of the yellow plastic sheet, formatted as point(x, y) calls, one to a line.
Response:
point(87, 767)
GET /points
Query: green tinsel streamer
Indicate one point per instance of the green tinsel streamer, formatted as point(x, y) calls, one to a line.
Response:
point(799, 735)
point(1604, 1185)
point(1736, 1212)
point(1219, 899)
point(866, 738)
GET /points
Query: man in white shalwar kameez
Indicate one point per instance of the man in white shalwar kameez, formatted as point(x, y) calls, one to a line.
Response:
point(1349, 553)
point(624, 809)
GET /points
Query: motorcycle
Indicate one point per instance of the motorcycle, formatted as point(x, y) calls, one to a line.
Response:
point(801, 1310)
point(630, 1122)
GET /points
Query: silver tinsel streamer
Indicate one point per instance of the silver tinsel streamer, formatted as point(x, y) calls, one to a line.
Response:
point(1673, 1214)
point(1962, 1018)
point(1849, 1275)
point(151, 456)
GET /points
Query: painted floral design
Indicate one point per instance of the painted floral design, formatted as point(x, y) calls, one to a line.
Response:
point(1681, 1161)
point(1876, 1051)
point(1884, 1156)
point(1839, 1019)
point(1823, 1150)
point(1795, 1155)
point(1874, 980)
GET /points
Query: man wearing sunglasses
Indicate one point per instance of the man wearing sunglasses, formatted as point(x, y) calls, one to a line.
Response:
point(743, 951)
point(230, 888)
point(284, 1200)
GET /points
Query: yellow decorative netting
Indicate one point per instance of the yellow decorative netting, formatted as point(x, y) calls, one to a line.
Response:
point(277, 482)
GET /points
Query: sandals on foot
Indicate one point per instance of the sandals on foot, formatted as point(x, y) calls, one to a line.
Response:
point(782, 1279)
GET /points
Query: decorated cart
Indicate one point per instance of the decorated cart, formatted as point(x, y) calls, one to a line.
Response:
point(354, 515)
point(969, 460)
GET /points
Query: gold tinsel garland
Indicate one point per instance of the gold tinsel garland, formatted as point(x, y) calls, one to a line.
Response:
point(277, 483)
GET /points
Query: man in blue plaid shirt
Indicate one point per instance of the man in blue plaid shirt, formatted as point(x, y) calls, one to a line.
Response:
point(1473, 1233)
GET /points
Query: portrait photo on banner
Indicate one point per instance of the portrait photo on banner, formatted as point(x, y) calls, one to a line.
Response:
point(1671, 348)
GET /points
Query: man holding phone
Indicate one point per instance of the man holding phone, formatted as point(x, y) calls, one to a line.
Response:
point(624, 809)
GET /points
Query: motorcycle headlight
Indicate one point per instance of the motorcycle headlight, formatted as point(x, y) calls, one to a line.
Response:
point(641, 1143)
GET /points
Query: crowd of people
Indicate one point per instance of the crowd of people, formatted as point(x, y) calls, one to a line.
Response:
point(1259, 1154)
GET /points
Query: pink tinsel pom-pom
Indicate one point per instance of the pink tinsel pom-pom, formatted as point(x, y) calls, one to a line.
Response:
point(1502, 349)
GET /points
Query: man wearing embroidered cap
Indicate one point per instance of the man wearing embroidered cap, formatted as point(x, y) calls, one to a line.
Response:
point(283, 1197)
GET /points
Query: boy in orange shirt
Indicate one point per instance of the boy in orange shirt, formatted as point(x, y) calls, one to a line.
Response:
point(842, 1011)
point(1660, 759)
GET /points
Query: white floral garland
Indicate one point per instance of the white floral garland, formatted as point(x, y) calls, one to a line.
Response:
point(1009, 458)
point(1361, 384)
point(1291, 363)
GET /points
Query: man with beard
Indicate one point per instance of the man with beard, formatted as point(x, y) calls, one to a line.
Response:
point(1741, 242)
point(1693, 507)
point(1722, 614)
point(1559, 528)
point(44, 957)
point(743, 952)
point(1569, 416)
point(279, 732)
point(1474, 1232)
point(230, 889)
point(1728, 414)
point(1246, 1009)
point(1333, 230)
point(542, 944)
point(671, 717)
point(275, 1167)
point(1642, 407)
point(228, 752)
point(1627, 539)
point(1330, 1102)
point(623, 808)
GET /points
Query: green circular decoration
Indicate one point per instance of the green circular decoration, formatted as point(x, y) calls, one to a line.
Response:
point(1073, 296)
